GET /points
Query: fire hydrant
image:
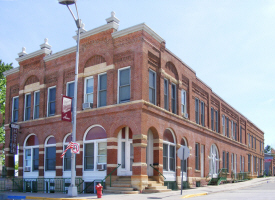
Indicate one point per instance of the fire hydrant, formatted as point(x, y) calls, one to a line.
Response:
point(98, 188)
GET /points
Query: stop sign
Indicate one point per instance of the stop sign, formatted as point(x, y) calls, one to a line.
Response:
point(183, 152)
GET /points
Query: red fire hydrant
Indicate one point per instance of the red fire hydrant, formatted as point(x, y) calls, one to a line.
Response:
point(98, 188)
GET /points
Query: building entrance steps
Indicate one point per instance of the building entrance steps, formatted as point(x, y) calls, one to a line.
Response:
point(121, 186)
point(155, 187)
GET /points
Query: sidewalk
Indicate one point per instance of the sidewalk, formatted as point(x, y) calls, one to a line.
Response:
point(166, 195)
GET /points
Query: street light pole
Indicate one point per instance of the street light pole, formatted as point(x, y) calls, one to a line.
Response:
point(72, 190)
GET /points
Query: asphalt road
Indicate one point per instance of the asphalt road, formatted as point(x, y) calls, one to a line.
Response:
point(263, 191)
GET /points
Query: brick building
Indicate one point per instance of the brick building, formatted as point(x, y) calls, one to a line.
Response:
point(137, 104)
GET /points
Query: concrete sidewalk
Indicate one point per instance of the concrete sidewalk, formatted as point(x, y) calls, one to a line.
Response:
point(166, 195)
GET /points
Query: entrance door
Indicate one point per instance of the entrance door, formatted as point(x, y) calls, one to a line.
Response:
point(214, 161)
point(125, 152)
point(202, 160)
point(150, 153)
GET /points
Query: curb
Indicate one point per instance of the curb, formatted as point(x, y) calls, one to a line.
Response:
point(194, 195)
point(46, 198)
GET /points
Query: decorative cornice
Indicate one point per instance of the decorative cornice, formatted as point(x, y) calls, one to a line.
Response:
point(34, 54)
point(136, 28)
point(60, 54)
point(11, 71)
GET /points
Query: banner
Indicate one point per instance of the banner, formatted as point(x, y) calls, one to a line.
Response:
point(267, 160)
point(13, 138)
point(66, 109)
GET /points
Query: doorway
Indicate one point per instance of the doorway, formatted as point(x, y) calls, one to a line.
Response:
point(150, 153)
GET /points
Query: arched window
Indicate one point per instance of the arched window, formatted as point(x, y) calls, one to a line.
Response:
point(31, 154)
point(169, 151)
point(214, 161)
point(95, 149)
point(50, 153)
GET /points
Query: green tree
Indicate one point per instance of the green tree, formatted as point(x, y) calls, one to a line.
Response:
point(3, 81)
point(267, 149)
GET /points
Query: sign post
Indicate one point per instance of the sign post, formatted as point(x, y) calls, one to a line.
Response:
point(183, 154)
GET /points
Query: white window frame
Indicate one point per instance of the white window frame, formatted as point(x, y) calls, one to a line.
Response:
point(85, 86)
point(48, 98)
point(175, 85)
point(31, 148)
point(232, 129)
point(197, 115)
point(118, 86)
point(212, 119)
point(25, 103)
point(202, 113)
point(248, 140)
point(217, 121)
point(183, 102)
point(155, 76)
point(98, 85)
point(167, 94)
point(67, 85)
point(223, 125)
point(168, 153)
point(232, 162)
point(34, 101)
point(12, 117)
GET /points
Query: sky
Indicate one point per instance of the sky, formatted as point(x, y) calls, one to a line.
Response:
point(229, 43)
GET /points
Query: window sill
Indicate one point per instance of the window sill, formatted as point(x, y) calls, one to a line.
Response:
point(197, 170)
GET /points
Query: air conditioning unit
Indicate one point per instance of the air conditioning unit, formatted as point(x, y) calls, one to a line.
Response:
point(87, 106)
point(101, 167)
point(185, 115)
point(27, 169)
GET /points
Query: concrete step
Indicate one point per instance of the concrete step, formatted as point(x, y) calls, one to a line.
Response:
point(154, 183)
point(120, 191)
point(121, 185)
point(157, 187)
point(120, 188)
point(155, 190)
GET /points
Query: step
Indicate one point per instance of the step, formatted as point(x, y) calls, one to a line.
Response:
point(157, 187)
point(119, 188)
point(120, 191)
point(154, 183)
point(121, 185)
point(156, 190)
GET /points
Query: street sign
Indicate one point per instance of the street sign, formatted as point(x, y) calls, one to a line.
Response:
point(186, 152)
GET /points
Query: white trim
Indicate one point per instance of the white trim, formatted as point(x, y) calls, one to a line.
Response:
point(12, 110)
point(118, 80)
point(31, 173)
point(67, 86)
point(183, 94)
point(60, 54)
point(173, 84)
point(25, 106)
point(11, 71)
point(34, 54)
point(155, 85)
point(98, 84)
point(34, 101)
point(136, 28)
point(48, 101)
point(85, 85)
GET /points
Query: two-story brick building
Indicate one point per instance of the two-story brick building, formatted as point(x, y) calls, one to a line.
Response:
point(137, 104)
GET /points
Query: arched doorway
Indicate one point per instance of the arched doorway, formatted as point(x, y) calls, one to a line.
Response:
point(214, 161)
point(169, 155)
point(125, 155)
point(150, 153)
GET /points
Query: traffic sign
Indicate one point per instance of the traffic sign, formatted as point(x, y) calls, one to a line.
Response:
point(185, 150)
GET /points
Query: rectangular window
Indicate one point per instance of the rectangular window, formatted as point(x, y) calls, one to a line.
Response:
point(197, 154)
point(27, 107)
point(232, 129)
point(36, 105)
point(28, 158)
point(236, 135)
point(223, 159)
point(102, 153)
point(255, 143)
point(248, 140)
point(241, 135)
point(166, 98)
point(67, 160)
point(183, 102)
point(172, 161)
point(223, 124)
point(202, 113)
point(241, 163)
point(89, 157)
point(260, 146)
point(227, 161)
point(50, 158)
point(152, 87)
point(232, 162)
point(165, 157)
point(249, 163)
point(217, 121)
point(15, 104)
point(212, 119)
point(70, 92)
point(102, 90)
point(89, 90)
point(252, 142)
point(173, 98)
point(51, 101)
point(197, 116)
point(35, 159)
point(124, 82)
point(227, 127)
point(255, 164)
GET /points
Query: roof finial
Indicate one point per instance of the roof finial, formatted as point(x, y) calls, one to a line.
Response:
point(46, 44)
point(112, 18)
point(23, 52)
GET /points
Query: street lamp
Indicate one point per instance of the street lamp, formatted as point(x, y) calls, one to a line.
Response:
point(72, 190)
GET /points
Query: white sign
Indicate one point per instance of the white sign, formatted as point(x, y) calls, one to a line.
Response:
point(186, 152)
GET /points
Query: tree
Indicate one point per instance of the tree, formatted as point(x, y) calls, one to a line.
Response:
point(3, 67)
point(267, 149)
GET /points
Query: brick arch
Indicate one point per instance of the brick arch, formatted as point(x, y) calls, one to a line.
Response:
point(115, 128)
point(172, 70)
point(173, 134)
point(184, 140)
point(94, 60)
point(31, 79)
point(154, 131)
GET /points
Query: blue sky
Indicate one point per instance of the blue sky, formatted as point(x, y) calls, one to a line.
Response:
point(229, 43)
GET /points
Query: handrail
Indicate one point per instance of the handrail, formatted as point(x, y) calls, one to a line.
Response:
point(111, 175)
point(157, 171)
point(78, 186)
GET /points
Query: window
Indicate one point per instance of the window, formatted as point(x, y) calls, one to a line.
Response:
point(227, 161)
point(232, 129)
point(197, 154)
point(241, 139)
point(165, 157)
point(255, 164)
point(249, 163)
point(124, 83)
point(36, 105)
point(217, 121)
point(241, 163)
point(223, 124)
point(227, 127)
point(172, 160)
point(236, 136)
point(197, 111)
point(50, 159)
point(31, 154)
point(202, 113)
point(255, 143)
point(252, 142)
point(67, 156)
point(212, 119)
point(166, 98)
point(27, 107)
point(102, 90)
point(51, 101)
point(183, 102)
point(15, 104)
point(248, 140)
point(232, 162)
point(173, 98)
point(89, 90)
point(102, 153)
point(152, 87)
point(169, 151)
point(70, 92)
point(223, 159)
point(89, 157)
point(260, 146)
